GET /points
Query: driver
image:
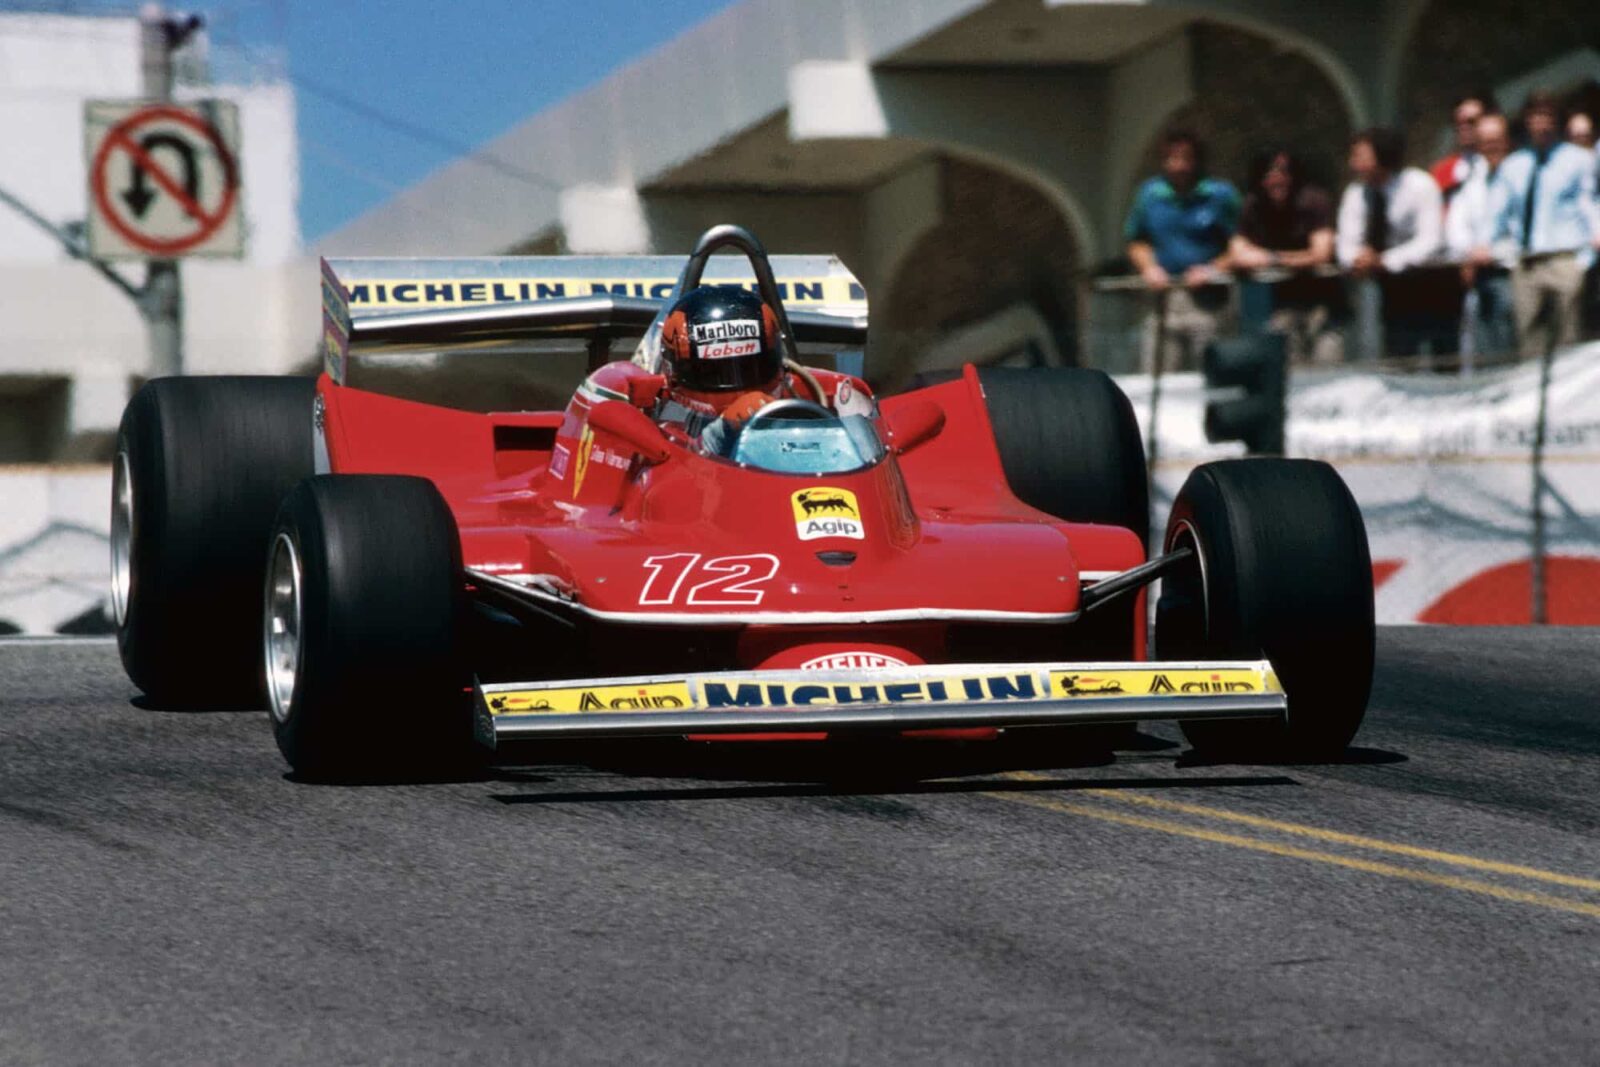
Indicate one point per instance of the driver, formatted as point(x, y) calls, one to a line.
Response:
point(723, 360)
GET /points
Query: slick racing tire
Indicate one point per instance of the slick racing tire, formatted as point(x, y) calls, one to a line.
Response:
point(363, 608)
point(1281, 570)
point(1069, 444)
point(200, 468)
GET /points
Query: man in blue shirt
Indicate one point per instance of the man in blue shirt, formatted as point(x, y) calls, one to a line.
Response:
point(1546, 215)
point(1179, 229)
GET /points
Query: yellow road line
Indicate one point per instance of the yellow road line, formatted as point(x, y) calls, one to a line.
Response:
point(1449, 881)
point(1454, 859)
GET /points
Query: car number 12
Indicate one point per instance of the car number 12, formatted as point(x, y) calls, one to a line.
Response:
point(717, 580)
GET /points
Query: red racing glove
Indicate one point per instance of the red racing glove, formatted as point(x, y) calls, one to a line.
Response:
point(743, 406)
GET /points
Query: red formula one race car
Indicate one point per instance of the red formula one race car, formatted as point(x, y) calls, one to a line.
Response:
point(399, 579)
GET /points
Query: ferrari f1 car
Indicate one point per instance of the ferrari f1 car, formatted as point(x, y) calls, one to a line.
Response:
point(397, 580)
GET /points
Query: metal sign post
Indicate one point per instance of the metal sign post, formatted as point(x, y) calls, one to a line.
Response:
point(1537, 578)
point(163, 183)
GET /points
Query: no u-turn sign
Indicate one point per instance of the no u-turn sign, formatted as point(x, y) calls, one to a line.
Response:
point(163, 179)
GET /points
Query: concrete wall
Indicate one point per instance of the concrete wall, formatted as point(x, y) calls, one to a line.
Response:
point(1462, 45)
point(1251, 93)
point(998, 242)
point(54, 549)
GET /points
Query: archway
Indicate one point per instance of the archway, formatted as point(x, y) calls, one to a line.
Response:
point(1001, 246)
point(1252, 92)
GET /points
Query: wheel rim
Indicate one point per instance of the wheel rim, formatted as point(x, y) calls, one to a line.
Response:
point(121, 537)
point(1186, 532)
point(281, 631)
point(1185, 634)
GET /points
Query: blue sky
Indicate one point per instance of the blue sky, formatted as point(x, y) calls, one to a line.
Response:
point(455, 73)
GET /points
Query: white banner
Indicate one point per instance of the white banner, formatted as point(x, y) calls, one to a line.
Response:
point(1443, 470)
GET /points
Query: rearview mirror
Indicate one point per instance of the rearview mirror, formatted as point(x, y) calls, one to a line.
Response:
point(914, 424)
point(632, 426)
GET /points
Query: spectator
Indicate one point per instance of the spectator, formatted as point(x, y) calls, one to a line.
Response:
point(1390, 220)
point(1178, 229)
point(1544, 208)
point(1487, 325)
point(1389, 217)
point(1288, 224)
point(1453, 171)
point(1580, 130)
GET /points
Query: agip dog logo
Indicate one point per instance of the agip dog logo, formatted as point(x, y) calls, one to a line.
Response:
point(827, 512)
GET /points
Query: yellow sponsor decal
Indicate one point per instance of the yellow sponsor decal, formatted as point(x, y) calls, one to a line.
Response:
point(797, 691)
point(654, 696)
point(395, 293)
point(1010, 685)
point(713, 692)
point(1157, 681)
point(824, 511)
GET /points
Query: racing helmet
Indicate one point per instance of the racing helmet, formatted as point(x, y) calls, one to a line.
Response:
point(720, 338)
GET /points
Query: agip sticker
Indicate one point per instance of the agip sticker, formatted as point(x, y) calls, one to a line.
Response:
point(657, 696)
point(1157, 682)
point(825, 511)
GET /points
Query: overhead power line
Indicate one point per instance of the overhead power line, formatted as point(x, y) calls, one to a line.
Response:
point(339, 161)
point(423, 134)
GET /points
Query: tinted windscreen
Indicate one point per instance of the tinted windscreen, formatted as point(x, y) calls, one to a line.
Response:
point(809, 446)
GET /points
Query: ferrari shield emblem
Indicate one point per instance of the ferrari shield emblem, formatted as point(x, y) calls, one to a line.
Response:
point(581, 463)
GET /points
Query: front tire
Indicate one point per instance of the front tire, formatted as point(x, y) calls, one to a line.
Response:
point(363, 607)
point(1281, 571)
point(201, 466)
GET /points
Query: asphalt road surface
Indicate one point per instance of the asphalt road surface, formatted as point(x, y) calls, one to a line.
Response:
point(169, 895)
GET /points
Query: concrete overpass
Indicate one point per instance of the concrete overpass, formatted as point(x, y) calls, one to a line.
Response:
point(891, 133)
point(969, 159)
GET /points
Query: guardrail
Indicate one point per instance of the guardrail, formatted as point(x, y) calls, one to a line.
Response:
point(1422, 306)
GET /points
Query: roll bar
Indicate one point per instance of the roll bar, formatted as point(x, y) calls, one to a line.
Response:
point(724, 236)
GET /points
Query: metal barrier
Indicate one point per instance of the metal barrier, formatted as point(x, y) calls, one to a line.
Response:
point(1418, 319)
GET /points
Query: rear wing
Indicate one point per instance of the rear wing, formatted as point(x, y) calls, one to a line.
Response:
point(391, 305)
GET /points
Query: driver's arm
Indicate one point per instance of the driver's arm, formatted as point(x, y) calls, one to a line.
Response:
point(745, 405)
point(718, 437)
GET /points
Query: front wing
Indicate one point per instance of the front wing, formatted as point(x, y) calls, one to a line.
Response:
point(936, 696)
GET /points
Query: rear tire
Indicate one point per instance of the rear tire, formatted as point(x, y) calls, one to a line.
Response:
point(201, 466)
point(1282, 571)
point(1070, 446)
point(364, 604)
